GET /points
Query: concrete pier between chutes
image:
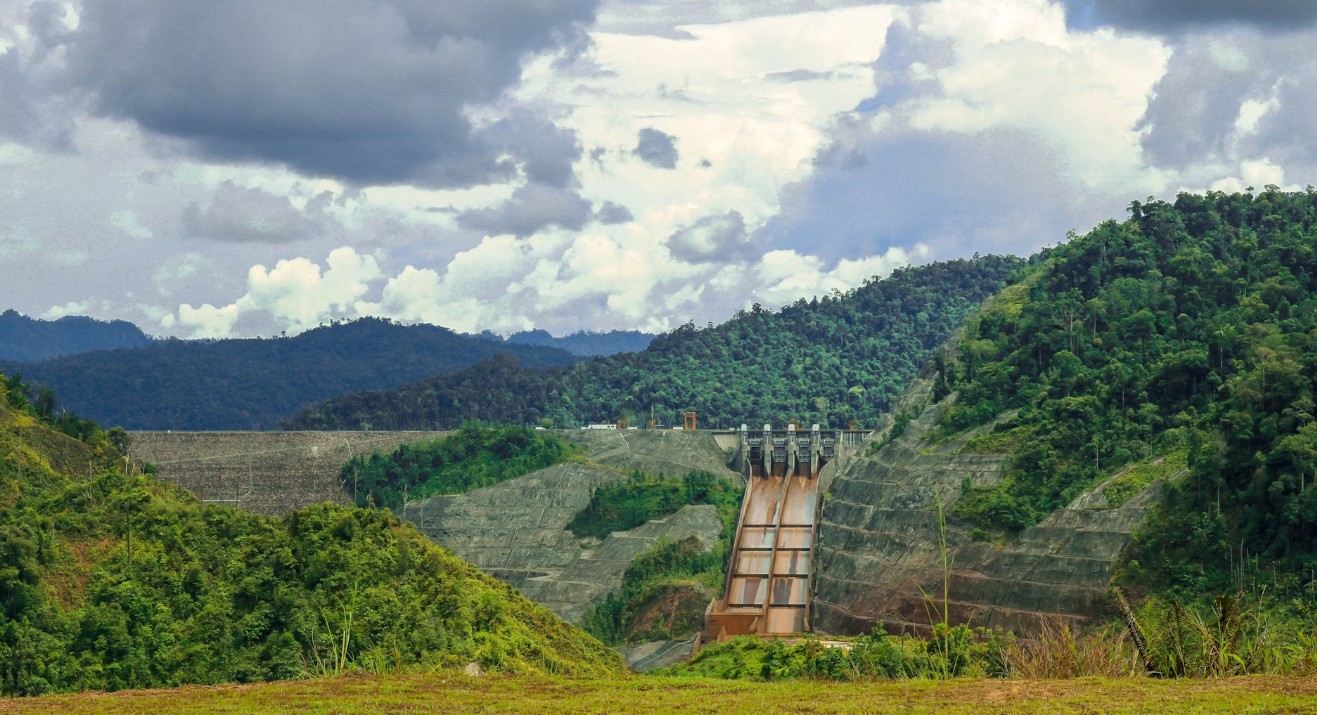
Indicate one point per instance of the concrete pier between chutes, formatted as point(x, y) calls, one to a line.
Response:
point(770, 574)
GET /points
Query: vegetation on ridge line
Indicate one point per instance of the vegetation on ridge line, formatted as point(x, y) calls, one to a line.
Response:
point(253, 383)
point(26, 339)
point(830, 360)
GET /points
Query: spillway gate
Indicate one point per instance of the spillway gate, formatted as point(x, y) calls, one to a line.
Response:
point(770, 571)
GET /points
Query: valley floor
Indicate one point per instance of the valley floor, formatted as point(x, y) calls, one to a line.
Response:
point(506, 694)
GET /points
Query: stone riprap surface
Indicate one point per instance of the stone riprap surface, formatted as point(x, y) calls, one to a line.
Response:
point(879, 560)
point(645, 657)
point(668, 452)
point(516, 530)
point(264, 472)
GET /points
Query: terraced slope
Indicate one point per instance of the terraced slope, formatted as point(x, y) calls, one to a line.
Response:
point(516, 530)
point(669, 452)
point(879, 559)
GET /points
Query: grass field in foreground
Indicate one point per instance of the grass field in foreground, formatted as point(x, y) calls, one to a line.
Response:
point(506, 694)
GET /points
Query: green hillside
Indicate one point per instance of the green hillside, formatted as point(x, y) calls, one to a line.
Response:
point(112, 580)
point(830, 360)
point(1188, 331)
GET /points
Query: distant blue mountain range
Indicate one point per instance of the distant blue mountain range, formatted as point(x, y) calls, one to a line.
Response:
point(27, 339)
point(114, 373)
point(584, 343)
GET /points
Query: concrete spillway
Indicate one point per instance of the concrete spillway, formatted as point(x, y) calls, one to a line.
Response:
point(770, 572)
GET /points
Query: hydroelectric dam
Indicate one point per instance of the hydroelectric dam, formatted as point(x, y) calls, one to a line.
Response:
point(831, 538)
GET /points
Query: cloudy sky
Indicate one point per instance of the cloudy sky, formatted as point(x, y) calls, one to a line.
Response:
point(223, 167)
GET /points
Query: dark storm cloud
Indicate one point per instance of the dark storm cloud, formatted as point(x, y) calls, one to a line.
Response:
point(1192, 114)
point(712, 239)
point(996, 191)
point(46, 20)
point(1192, 117)
point(798, 76)
point(656, 148)
point(1289, 135)
point(665, 19)
point(610, 213)
point(367, 91)
point(531, 208)
point(31, 110)
point(18, 116)
point(237, 213)
point(546, 151)
point(902, 70)
point(1173, 16)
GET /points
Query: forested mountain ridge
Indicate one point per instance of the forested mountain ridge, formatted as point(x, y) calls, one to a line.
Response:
point(26, 339)
point(830, 360)
point(1187, 332)
point(251, 384)
point(112, 580)
point(586, 343)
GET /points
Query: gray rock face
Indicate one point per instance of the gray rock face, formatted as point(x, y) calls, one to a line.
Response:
point(668, 452)
point(516, 530)
point(879, 560)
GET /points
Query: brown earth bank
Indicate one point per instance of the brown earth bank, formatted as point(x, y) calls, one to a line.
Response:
point(447, 693)
point(673, 611)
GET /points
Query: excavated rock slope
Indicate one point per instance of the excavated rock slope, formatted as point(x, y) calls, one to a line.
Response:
point(516, 530)
point(879, 560)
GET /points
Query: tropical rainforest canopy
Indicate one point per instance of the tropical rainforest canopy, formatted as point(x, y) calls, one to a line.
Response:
point(832, 360)
point(1188, 331)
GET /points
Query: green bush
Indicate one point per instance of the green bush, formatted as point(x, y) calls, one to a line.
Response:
point(475, 456)
point(682, 570)
point(948, 653)
point(626, 505)
point(111, 580)
point(1188, 327)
